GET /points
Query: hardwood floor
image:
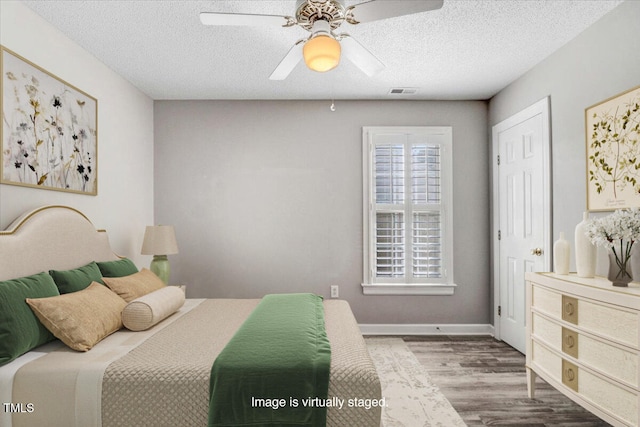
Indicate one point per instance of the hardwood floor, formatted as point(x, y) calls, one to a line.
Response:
point(485, 381)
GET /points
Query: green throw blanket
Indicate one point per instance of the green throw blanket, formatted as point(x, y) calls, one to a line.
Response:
point(275, 369)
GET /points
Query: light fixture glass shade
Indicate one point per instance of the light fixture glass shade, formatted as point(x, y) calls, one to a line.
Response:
point(321, 53)
point(159, 240)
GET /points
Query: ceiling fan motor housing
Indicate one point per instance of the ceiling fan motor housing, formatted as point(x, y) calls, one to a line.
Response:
point(310, 11)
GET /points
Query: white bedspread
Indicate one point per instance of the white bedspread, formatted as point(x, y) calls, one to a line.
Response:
point(75, 383)
point(160, 377)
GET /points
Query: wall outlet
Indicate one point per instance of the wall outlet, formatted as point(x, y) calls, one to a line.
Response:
point(334, 291)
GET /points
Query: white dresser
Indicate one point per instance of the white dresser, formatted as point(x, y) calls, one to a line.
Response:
point(583, 339)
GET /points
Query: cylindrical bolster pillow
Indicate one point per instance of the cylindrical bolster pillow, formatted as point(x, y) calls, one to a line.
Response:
point(144, 312)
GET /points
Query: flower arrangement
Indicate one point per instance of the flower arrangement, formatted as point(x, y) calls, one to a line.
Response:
point(618, 232)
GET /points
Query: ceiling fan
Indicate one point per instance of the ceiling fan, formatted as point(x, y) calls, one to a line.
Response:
point(322, 49)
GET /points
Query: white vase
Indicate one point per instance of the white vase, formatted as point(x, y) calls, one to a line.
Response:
point(561, 251)
point(585, 250)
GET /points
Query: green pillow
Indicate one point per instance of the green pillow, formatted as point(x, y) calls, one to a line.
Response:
point(120, 268)
point(77, 279)
point(20, 329)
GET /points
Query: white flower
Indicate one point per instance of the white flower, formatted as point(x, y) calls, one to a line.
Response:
point(621, 226)
point(617, 232)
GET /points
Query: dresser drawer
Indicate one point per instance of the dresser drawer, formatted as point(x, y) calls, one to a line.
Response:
point(616, 362)
point(609, 321)
point(607, 396)
point(602, 319)
point(548, 301)
point(548, 360)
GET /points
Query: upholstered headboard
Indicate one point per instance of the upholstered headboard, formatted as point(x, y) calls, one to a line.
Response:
point(51, 238)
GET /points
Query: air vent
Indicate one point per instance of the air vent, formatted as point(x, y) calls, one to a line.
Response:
point(403, 91)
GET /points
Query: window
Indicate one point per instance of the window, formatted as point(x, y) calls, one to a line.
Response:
point(407, 211)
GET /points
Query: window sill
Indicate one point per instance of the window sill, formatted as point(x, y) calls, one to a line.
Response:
point(408, 289)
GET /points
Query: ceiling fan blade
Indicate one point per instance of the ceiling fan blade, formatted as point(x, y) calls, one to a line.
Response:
point(360, 56)
point(216, 18)
point(286, 66)
point(382, 9)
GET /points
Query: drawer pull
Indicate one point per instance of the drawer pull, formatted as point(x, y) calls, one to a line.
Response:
point(570, 309)
point(570, 342)
point(570, 375)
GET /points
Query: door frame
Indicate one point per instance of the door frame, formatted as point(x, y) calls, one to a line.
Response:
point(540, 107)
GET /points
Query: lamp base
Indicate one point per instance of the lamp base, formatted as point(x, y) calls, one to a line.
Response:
point(160, 266)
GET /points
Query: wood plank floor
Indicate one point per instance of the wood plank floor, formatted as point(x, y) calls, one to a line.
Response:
point(485, 381)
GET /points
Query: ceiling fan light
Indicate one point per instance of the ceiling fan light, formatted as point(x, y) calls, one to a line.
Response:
point(321, 53)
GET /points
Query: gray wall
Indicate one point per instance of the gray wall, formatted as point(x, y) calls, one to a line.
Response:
point(266, 196)
point(601, 62)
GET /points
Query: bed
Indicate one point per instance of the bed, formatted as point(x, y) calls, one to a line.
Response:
point(158, 376)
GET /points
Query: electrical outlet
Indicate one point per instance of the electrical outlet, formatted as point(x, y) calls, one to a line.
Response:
point(334, 291)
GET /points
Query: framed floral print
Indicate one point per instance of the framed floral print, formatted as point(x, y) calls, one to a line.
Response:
point(49, 130)
point(613, 152)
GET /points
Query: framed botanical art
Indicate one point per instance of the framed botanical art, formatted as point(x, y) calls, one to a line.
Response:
point(49, 130)
point(613, 152)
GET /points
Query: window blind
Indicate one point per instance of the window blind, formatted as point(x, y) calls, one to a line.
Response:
point(427, 245)
point(425, 174)
point(407, 197)
point(390, 244)
point(389, 174)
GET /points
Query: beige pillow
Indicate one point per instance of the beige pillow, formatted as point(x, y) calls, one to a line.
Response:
point(148, 310)
point(80, 319)
point(135, 285)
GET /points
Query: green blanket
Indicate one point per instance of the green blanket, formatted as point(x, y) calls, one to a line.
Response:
point(275, 369)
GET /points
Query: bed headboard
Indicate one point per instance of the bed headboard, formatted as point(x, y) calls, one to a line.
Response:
point(51, 238)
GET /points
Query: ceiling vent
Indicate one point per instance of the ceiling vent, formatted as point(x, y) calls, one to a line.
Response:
point(403, 91)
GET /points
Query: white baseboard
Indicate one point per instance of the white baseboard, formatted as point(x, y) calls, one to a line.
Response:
point(424, 329)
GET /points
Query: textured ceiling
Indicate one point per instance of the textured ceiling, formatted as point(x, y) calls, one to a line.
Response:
point(469, 49)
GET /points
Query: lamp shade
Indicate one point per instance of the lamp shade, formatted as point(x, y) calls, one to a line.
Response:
point(321, 53)
point(159, 240)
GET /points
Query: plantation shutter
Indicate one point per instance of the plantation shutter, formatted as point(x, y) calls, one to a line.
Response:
point(407, 204)
point(427, 225)
point(390, 192)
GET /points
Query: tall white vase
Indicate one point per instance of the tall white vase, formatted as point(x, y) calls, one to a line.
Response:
point(585, 250)
point(561, 252)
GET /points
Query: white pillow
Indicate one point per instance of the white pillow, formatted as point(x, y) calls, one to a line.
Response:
point(150, 309)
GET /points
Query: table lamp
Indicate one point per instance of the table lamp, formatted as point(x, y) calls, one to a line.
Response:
point(160, 241)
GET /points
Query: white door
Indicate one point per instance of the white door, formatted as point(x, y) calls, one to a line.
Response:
point(522, 181)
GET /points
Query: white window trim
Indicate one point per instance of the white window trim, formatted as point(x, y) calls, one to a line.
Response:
point(369, 285)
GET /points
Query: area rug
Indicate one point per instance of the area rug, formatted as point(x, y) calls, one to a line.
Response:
point(411, 397)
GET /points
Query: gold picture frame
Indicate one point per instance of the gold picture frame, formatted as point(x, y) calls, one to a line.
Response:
point(49, 136)
point(612, 131)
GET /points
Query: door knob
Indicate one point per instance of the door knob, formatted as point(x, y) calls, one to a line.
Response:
point(536, 251)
